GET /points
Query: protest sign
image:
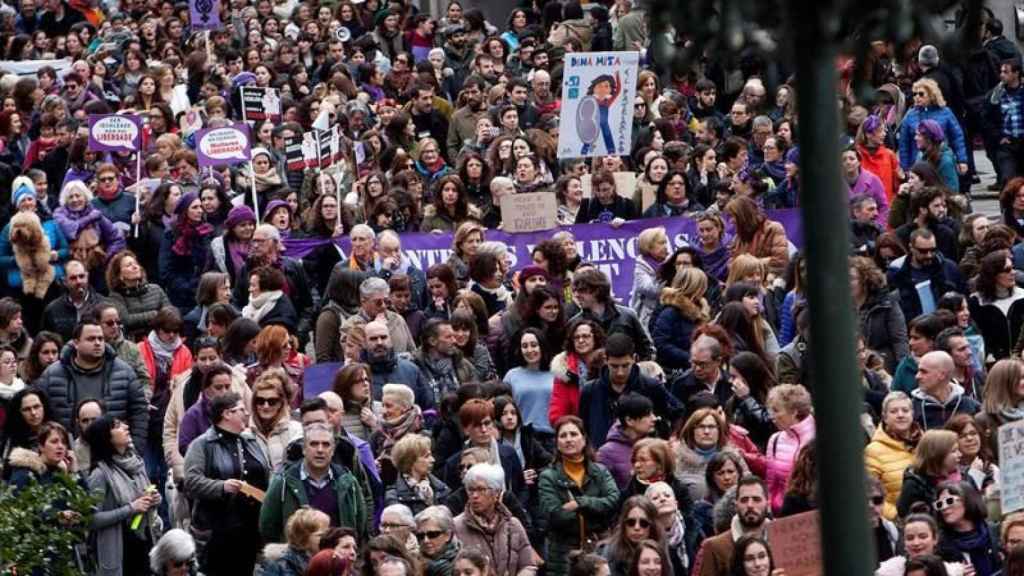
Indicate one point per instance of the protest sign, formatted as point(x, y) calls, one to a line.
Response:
point(598, 89)
point(294, 158)
point(612, 250)
point(529, 212)
point(796, 544)
point(204, 14)
point(228, 145)
point(318, 378)
point(260, 103)
point(1011, 466)
point(115, 133)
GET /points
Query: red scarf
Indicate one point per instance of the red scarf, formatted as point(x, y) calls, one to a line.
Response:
point(188, 231)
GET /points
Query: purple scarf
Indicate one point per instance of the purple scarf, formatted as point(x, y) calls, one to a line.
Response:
point(238, 252)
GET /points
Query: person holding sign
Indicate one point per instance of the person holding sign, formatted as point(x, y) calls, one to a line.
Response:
point(268, 181)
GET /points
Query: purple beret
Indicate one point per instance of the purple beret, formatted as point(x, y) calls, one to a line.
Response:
point(185, 201)
point(931, 130)
point(239, 215)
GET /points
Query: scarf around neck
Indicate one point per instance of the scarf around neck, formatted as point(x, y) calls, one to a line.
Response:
point(163, 352)
point(261, 305)
point(127, 475)
point(393, 430)
point(188, 232)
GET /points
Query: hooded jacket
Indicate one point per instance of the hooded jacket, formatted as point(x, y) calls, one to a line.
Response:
point(616, 455)
point(122, 393)
point(886, 458)
point(783, 448)
point(931, 413)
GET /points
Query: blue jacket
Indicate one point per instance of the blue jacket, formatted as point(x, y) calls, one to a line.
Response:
point(597, 399)
point(672, 331)
point(120, 209)
point(950, 127)
point(943, 274)
point(57, 242)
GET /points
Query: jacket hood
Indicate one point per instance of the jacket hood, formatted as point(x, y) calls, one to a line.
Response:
point(25, 458)
point(67, 357)
point(274, 552)
point(560, 366)
point(954, 397)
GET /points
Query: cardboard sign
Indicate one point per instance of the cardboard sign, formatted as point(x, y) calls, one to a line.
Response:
point(796, 544)
point(625, 184)
point(115, 133)
point(529, 212)
point(1011, 466)
point(252, 492)
point(598, 89)
point(260, 104)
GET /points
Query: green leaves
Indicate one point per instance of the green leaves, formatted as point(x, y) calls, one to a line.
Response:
point(41, 524)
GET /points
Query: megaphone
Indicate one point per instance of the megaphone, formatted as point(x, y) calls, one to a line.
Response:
point(343, 34)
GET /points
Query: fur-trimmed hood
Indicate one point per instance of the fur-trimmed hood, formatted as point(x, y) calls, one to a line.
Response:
point(25, 458)
point(690, 310)
point(274, 552)
point(560, 366)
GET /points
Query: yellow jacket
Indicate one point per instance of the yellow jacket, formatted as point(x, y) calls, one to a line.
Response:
point(886, 458)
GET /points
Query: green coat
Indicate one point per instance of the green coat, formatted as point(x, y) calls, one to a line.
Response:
point(286, 494)
point(598, 500)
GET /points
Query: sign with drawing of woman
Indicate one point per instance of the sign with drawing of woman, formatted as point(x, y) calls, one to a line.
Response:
point(597, 116)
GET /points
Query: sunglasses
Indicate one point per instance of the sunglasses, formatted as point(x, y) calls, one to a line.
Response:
point(921, 94)
point(266, 401)
point(429, 535)
point(634, 522)
point(876, 500)
point(108, 179)
point(943, 503)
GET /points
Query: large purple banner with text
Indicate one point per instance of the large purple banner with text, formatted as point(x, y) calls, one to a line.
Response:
point(613, 250)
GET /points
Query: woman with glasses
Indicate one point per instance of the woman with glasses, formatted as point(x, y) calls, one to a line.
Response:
point(965, 533)
point(415, 486)
point(577, 496)
point(885, 533)
point(995, 301)
point(218, 465)
point(438, 546)
point(174, 554)
point(476, 418)
point(271, 414)
point(399, 417)
point(581, 359)
point(638, 521)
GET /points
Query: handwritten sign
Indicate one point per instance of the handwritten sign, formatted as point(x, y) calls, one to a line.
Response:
point(115, 133)
point(598, 90)
point(529, 212)
point(796, 544)
point(1011, 466)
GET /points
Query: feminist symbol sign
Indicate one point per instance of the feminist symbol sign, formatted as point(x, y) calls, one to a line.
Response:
point(204, 14)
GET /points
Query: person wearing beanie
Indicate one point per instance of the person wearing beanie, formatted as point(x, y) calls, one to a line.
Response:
point(278, 213)
point(930, 104)
point(229, 250)
point(862, 182)
point(184, 251)
point(931, 145)
point(23, 200)
point(950, 82)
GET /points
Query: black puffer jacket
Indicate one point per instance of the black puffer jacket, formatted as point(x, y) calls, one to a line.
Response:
point(884, 328)
point(123, 394)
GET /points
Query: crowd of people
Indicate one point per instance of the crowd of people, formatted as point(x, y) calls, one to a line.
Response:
point(485, 418)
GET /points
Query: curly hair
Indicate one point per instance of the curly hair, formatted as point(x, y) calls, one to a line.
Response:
point(871, 278)
point(992, 264)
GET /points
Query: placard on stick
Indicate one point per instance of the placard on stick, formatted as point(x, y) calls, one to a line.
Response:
point(796, 544)
point(1011, 466)
point(529, 212)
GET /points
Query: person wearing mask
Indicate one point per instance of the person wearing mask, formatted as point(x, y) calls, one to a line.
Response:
point(218, 465)
point(753, 508)
point(937, 398)
point(89, 368)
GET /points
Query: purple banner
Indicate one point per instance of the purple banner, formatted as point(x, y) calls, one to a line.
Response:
point(115, 133)
point(613, 250)
point(228, 145)
point(204, 14)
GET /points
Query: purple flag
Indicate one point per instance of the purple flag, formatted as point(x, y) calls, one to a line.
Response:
point(204, 14)
point(115, 133)
point(228, 145)
point(613, 250)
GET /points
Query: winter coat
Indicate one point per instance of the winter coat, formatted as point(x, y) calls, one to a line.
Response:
point(515, 483)
point(9, 267)
point(979, 547)
point(434, 221)
point(297, 286)
point(211, 460)
point(783, 448)
point(883, 163)
point(72, 224)
point(686, 386)
point(672, 331)
point(62, 315)
point(646, 289)
point(287, 493)
point(282, 313)
point(118, 209)
point(593, 212)
point(617, 455)
point(284, 431)
point(950, 127)
point(123, 395)
point(916, 487)
point(108, 525)
point(944, 277)
point(395, 370)
point(402, 493)
point(179, 274)
point(565, 392)
point(770, 242)
point(931, 413)
point(506, 544)
point(884, 328)
point(138, 307)
point(597, 398)
point(886, 458)
point(181, 361)
point(282, 560)
point(598, 501)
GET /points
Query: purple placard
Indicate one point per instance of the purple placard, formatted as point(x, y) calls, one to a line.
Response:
point(613, 250)
point(228, 145)
point(204, 14)
point(115, 133)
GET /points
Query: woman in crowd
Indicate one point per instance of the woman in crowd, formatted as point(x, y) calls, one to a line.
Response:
point(965, 533)
point(1003, 401)
point(415, 486)
point(268, 304)
point(606, 205)
point(118, 480)
point(137, 299)
point(577, 495)
point(229, 250)
point(438, 546)
point(42, 465)
point(399, 416)
point(711, 246)
point(174, 554)
point(976, 458)
point(683, 310)
point(750, 295)
point(802, 488)
point(737, 321)
point(184, 250)
point(476, 417)
point(157, 218)
point(212, 288)
point(26, 412)
point(215, 203)
point(45, 350)
point(468, 237)
point(936, 459)
point(752, 557)
point(653, 248)
point(751, 380)
point(580, 361)
point(217, 466)
point(468, 341)
point(441, 290)
point(880, 317)
point(638, 521)
point(302, 531)
point(273, 347)
point(450, 208)
point(930, 140)
point(271, 414)
point(531, 381)
point(704, 434)
point(757, 235)
point(340, 302)
point(529, 444)
point(722, 473)
point(891, 450)
point(352, 383)
point(920, 539)
point(83, 225)
point(790, 407)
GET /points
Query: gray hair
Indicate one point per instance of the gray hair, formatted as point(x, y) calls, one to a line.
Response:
point(498, 249)
point(890, 398)
point(174, 546)
point(270, 231)
point(391, 235)
point(362, 230)
point(491, 475)
point(74, 185)
point(403, 512)
point(317, 427)
point(400, 392)
point(440, 514)
point(705, 342)
point(762, 122)
point(373, 286)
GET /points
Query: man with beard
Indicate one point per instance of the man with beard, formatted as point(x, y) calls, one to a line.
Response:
point(440, 361)
point(543, 99)
point(265, 250)
point(458, 55)
point(428, 121)
point(924, 276)
point(751, 519)
point(388, 368)
point(62, 314)
point(463, 124)
point(483, 66)
point(928, 207)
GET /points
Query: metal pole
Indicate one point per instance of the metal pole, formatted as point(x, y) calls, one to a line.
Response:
point(838, 393)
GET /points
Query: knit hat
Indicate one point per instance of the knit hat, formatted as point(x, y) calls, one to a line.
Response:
point(928, 56)
point(184, 202)
point(20, 188)
point(260, 151)
point(274, 205)
point(793, 156)
point(931, 130)
point(530, 272)
point(239, 215)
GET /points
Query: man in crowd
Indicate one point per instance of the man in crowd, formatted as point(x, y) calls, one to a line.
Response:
point(63, 314)
point(592, 292)
point(373, 306)
point(924, 276)
point(751, 519)
point(705, 374)
point(388, 367)
point(440, 362)
point(937, 398)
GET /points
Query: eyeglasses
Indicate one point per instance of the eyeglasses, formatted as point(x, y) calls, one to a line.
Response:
point(580, 337)
point(112, 323)
point(641, 522)
point(261, 401)
point(943, 503)
point(1007, 270)
point(392, 526)
point(705, 364)
point(876, 500)
point(429, 535)
point(107, 179)
point(181, 563)
point(921, 94)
